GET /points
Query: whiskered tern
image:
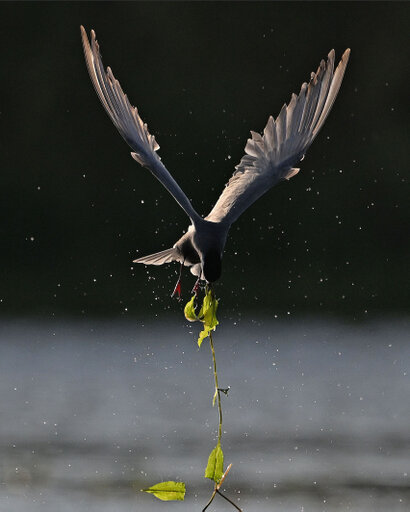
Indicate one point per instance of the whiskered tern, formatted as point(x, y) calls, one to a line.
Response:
point(269, 158)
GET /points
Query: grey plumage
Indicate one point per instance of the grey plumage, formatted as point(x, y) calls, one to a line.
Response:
point(268, 159)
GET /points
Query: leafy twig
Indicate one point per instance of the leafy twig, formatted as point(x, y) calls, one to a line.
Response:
point(214, 470)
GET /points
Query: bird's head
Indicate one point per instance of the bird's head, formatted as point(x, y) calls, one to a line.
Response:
point(212, 265)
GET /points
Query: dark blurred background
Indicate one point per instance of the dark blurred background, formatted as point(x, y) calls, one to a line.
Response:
point(76, 209)
point(102, 387)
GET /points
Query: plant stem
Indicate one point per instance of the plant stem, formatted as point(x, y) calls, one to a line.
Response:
point(210, 500)
point(227, 499)
point(211, 343)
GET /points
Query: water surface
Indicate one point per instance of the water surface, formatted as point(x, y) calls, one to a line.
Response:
point(317, 418)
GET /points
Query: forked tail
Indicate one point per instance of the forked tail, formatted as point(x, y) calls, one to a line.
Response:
point(159, 258)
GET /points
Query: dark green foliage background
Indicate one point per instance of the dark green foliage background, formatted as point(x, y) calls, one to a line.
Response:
point(335, 239)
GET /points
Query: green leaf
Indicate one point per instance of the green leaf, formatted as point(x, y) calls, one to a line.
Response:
point(207, 315)
point(210, 307)
point(206, 304)
point(215, 468)
point(189, 310)
point(168, 491)
point(202, 335)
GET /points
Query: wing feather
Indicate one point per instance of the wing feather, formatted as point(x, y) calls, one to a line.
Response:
point(129, 123)
point(270, 158)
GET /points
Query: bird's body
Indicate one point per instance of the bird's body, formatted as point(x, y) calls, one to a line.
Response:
point(268, 160)
point(200, 248)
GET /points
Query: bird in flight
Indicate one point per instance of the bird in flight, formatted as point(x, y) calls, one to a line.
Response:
point(269, 159)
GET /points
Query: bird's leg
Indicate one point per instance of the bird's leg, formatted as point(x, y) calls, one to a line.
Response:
point(177, 289)
point(197, 284)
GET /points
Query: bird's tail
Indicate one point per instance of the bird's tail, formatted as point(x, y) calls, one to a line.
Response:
point(159, 258)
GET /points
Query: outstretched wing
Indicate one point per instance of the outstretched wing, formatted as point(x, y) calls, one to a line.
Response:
point(128, 122)
point(270, 158)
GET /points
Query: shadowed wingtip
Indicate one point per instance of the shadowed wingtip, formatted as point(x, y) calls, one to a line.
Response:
point(83, 32)
point(84, 38)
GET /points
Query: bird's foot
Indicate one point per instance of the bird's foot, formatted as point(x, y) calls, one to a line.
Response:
point(196, 287)
point(177, 290)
